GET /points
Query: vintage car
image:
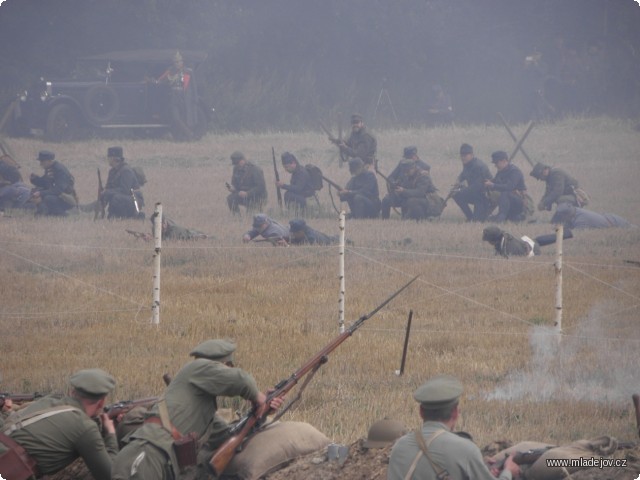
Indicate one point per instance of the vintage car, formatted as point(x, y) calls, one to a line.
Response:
point(116, 92)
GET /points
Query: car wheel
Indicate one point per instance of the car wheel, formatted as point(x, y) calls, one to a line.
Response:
point(101, 104)
point(62, 123)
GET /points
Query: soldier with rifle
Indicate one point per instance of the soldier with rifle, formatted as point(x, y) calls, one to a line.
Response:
point(434, 451)
point(122, 192)
point(188, 408)
point(52, 432)
point(361, 192)
point(299, 187)
point(412, 191)
point(469, 189)
point(268, 229)
point(510, 188)
point(360, 144)
point(560, 187)
point(247, 186)
point(54, 192)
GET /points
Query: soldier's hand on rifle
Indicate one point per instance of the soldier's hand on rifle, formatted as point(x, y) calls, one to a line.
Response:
point(108, 426)
point(7, 405)
point(398, 189)
point(280, 184)
point(488, 184)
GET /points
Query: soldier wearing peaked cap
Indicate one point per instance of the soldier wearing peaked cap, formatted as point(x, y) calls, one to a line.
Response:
point(190, 403)
point(122, 185)
point(54, 192)
point(361, 143)
point(361, 191)
point(268, 228)
point(55, 430)
point(247, 187)
point(302, 234)
point(434, 451)
point(471, 191)
point(560, 187)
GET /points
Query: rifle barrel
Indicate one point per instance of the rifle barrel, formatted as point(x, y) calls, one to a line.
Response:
point(254, 420)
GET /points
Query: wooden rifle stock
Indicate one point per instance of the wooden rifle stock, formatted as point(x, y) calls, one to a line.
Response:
point(275, 170)
point(100, 206)
point(252, 422)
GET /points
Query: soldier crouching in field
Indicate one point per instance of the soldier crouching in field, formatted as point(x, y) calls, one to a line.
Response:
point(188, 407)
point(54, 193)
point(247, 187)
point(122, 192)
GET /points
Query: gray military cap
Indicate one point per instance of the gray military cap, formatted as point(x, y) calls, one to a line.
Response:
point(93, 382)
point(439, 392)
point(236, 157)
point(220, 350)
point(259, 219)
point(409, 152)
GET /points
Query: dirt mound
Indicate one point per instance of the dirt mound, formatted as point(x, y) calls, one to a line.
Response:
point(371, 464)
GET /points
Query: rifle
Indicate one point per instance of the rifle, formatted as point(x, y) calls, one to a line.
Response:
point(254, 420)
point(144, 236)
point(332, 139)
point(116, 409)
point(275, 170)
point(275, 241)
point(332, 183)
point(342, 159)
point(455, 188)
point(19, 397)
point(100, 206)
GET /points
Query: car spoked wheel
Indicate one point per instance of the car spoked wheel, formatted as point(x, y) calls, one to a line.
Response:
point(62, 123)
point(101, 104)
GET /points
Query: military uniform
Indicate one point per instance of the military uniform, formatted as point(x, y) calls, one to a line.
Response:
point(172, 231)
point(302, 234)
point(447, 451)
point(580, 218)
point(14, 193)
point(360, 144)
point(55, 187)
point(559, 186)
point(246, 178)
point(363, 195)
point(418, 197)
point(507, 245)
point(299, 187)
point(120, 182)
point(472, 191)
point(56, 431)
point(191, 403)
point(274, 230)
point(509, 184)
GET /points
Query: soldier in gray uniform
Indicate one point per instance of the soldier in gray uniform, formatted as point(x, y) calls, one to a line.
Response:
point(361, 191)
point(190, 403)
point(54, 191)
point(56, 430)
point(434, 450)
point(268, 228)
point(560, 187)
point(302, 234)
point(573, 217)
point(247, 185)
point(360, 144)
point(121, 188)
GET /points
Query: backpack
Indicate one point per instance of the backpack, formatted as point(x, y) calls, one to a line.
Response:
point(140, 176)
point(315, 175)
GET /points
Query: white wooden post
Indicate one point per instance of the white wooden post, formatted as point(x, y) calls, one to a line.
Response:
point(341, 272)
point(157, 238)
point(558, 269)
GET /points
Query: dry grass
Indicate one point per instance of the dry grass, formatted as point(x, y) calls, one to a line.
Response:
point(77, 293)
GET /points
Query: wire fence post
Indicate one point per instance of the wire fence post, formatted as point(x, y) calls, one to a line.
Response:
point(341, 272)
point(558, 269)
point(157, 238)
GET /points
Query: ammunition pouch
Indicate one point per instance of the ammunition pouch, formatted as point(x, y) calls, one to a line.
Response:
point(186, 450)
point(16, 463)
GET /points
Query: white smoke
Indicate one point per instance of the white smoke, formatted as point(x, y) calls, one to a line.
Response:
point(589, 363)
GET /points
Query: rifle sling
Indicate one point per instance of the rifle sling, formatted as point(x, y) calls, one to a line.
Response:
point(441, 473)
point(164, 421)
point(18, 421)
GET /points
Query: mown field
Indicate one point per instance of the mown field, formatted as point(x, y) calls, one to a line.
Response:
point(77, 293)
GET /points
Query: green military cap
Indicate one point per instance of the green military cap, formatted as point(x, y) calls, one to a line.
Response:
point(93, 382)
point(439, 392)
point(538, 168)
point(220, 350)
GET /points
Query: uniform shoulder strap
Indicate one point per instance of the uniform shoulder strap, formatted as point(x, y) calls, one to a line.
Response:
point(441, 473)
point(18, 421)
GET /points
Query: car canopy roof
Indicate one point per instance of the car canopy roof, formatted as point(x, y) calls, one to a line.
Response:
point(190, 57)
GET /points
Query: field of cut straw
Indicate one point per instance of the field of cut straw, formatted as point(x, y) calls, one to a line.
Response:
point(77, 293)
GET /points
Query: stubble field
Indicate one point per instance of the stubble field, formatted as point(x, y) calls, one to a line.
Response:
point(77, 293)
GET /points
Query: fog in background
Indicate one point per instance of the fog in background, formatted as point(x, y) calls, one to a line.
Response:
point(285, 64)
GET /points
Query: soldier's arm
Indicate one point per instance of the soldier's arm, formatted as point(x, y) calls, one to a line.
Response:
point(97, 452)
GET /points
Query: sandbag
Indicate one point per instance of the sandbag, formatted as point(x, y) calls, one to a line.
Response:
point(274, 447)
point(598, 447)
